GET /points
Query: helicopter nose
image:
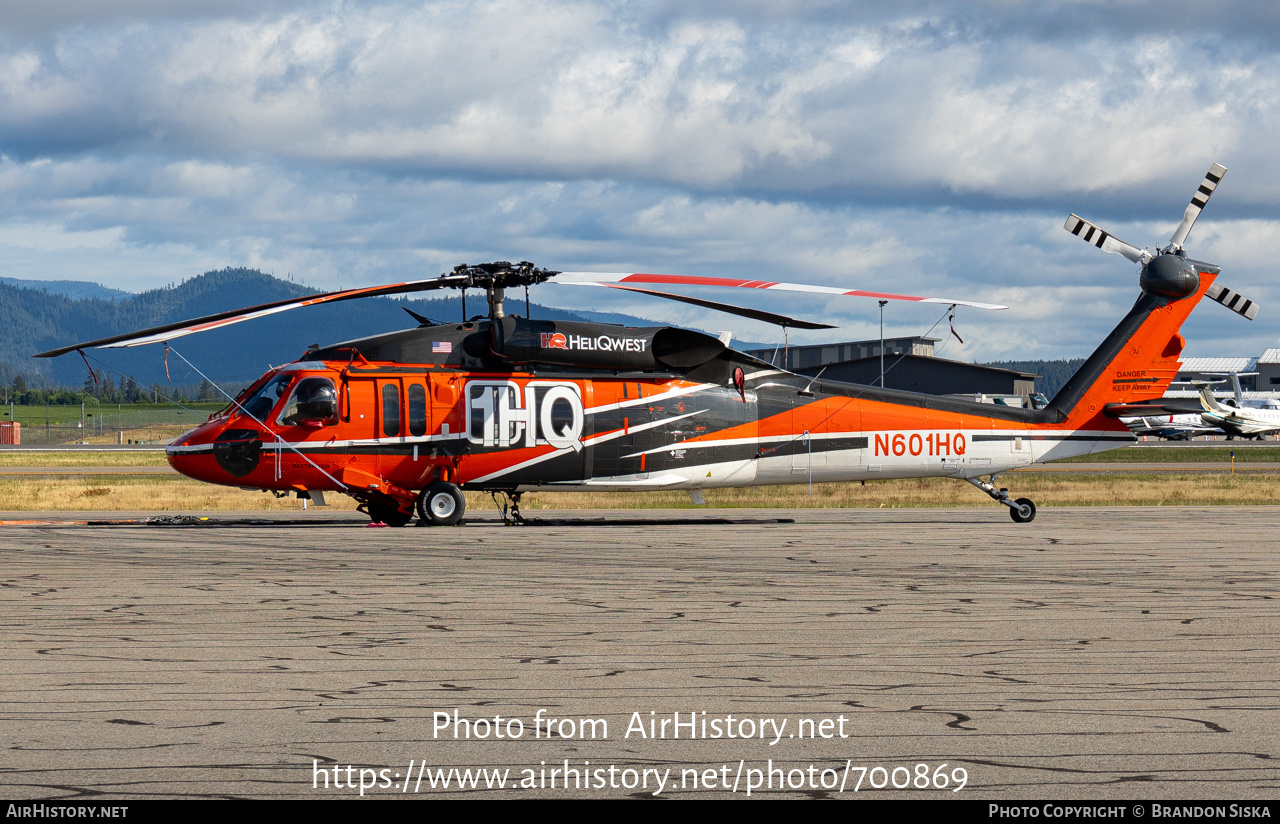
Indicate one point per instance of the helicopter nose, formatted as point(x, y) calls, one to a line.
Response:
point(238, 451)
point(216, 456)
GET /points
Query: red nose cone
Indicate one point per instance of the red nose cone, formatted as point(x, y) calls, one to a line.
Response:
point(216, 453)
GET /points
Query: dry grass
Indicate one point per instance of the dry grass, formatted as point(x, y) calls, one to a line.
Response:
point(76, 457)
point(1066, 489)
point(164, 494)
point(1220, 453)
point(73, 457)
point(145, 434)
point(119, 493)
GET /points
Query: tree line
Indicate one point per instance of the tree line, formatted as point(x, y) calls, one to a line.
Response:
point(105, 390)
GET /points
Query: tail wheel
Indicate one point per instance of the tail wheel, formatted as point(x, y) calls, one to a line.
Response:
point(441, 504)
point(1024, 512)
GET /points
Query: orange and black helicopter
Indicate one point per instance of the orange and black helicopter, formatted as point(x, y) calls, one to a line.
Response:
point(510, 404)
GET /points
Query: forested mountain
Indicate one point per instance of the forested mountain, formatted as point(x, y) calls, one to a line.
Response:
point(78, 289)
point(36, 320)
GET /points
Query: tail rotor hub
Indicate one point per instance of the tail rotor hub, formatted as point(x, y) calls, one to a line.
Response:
point(1170, 275)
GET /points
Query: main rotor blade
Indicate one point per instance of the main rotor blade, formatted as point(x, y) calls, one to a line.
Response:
point(1198, 200)
point(580, 278)
point(1090, 233)
point(754, 314)
point(169, 331)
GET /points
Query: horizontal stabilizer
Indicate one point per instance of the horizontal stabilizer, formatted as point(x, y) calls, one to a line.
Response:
point(1142, 409)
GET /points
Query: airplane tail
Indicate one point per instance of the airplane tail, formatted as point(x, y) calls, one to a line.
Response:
point(1137, 361)
point(1207, 400)
point(1237, 388)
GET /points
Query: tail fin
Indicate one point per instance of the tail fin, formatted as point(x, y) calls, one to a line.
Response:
point(1207, 400)
point(1239, 390)
point(1137, 361)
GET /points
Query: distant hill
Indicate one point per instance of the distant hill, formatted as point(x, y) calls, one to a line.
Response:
point(76, 289)
point(48, 316)
point(1054, 373)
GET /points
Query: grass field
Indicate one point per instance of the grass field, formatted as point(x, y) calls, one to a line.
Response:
point(1210, 454)
point(75, 457)
point(35, 415)
point(1174, 454)
point(174, 493)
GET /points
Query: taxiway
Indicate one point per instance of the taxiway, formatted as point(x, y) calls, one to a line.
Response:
point(1120, 653)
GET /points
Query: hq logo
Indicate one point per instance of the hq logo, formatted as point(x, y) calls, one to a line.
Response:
point(554, 340)
point(547, 412)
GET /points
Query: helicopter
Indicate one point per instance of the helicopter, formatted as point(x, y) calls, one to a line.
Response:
point(405, 421)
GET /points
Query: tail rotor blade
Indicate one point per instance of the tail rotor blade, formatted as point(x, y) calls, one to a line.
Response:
point(1198, 201)
point(1090, 233)
point(1234, 301)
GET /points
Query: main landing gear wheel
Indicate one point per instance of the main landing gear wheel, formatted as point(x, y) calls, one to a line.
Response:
point(1024, 512)
point(388, 513)
point(441, 504)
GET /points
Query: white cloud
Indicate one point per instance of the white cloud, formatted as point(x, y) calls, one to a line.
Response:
point(928, 149)
point(50, 238)
point(583, 90)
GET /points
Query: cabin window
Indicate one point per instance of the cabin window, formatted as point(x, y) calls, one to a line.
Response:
point(260, 403)
point(314, 402)
point(390, 409)
point(417, 410)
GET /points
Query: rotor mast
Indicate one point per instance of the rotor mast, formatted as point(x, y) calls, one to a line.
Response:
point(495, 278)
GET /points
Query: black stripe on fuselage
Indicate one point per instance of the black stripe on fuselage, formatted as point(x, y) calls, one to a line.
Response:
point(1112, 436)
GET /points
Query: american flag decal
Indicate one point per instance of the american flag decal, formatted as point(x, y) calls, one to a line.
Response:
point(1234, 301)
point(441, 347)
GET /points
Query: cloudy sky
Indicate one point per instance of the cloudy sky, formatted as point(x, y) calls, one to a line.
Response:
point(921, 147)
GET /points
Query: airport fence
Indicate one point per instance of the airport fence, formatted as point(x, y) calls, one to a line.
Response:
point(137, 426)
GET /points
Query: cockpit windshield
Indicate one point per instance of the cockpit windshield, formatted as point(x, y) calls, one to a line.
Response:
point(314, 403)
point(261, 402)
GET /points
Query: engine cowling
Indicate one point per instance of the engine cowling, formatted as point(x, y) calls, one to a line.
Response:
point(601, 346)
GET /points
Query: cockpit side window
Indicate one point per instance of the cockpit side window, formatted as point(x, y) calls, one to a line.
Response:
point(314, 402)
point(260, 403)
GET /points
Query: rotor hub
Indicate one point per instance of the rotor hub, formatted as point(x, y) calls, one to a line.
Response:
point(494, 278)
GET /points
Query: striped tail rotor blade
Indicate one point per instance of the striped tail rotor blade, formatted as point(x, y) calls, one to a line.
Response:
point(1234, 301)
point(1198, 201)
point(1105, 241)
